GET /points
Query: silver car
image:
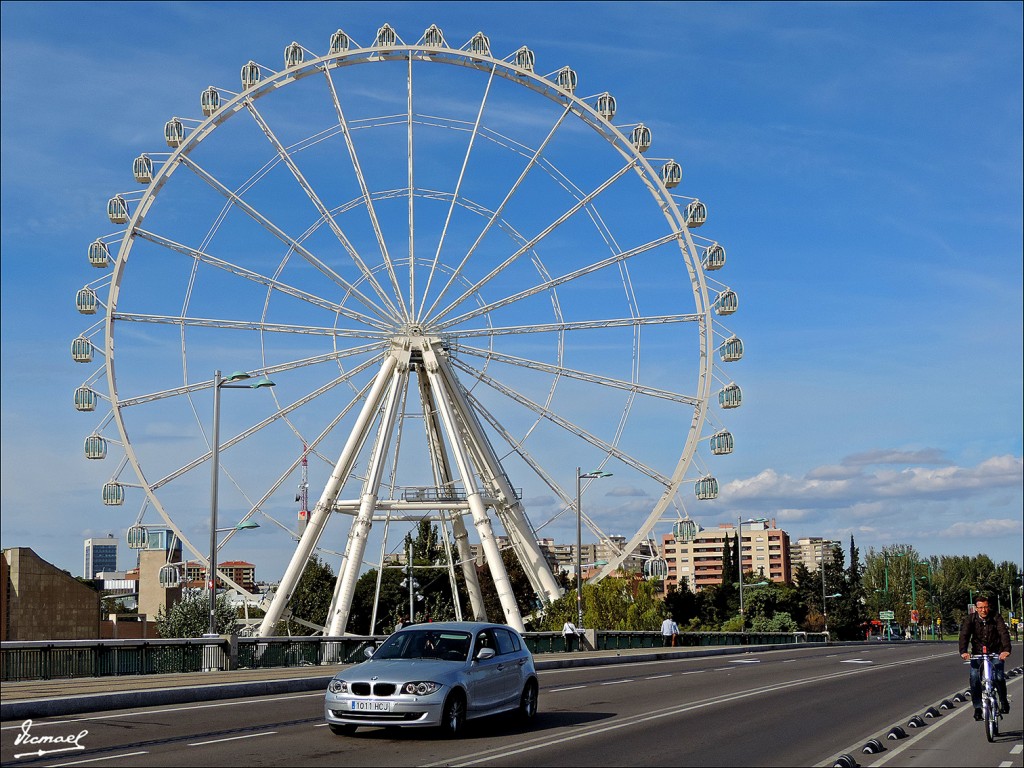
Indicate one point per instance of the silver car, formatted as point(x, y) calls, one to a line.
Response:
point(438, 675)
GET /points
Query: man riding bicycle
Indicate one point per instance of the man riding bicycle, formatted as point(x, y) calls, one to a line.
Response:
point(985, 630)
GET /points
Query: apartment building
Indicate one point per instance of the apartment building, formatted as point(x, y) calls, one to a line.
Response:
point(765, 551)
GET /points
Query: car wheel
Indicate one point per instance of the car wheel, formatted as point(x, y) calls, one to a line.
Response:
point(453, 717)
point(528, 702)
point(341, 730)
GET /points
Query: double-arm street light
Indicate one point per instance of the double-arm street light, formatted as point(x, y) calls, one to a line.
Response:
point(824, 597)
point(219, 383)
point(739, 561)
point(579, 543)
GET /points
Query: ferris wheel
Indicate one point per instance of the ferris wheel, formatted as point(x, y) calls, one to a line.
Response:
point(465, 280)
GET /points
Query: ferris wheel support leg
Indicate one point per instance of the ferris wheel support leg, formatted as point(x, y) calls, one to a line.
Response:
point(495, 564)
point(322, 511)
point(509, 607)
point(443, 478)
point(348, 574)
point(476, 598)
point(518, 528)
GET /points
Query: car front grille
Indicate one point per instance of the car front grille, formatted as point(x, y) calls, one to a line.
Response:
point(379, 689)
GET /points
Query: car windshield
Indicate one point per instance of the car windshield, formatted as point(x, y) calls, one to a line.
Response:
point(425, 644)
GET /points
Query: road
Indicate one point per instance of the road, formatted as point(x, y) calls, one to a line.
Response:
point(792, 707)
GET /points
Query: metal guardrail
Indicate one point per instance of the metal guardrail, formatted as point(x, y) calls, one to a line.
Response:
point(57, 659)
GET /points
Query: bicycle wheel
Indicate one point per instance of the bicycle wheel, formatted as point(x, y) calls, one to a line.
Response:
point(991, 720)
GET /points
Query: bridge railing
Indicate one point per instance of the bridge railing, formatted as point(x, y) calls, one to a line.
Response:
point(56, 659)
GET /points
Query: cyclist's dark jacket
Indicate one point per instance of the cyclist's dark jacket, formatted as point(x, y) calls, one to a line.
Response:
point(991, 633)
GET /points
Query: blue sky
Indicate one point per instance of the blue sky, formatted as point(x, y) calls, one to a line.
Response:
point(861, 163)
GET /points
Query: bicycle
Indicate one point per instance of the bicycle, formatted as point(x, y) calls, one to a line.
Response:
point(989, 701)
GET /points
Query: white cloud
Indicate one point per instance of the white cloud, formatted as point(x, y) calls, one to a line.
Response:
point(979, 529)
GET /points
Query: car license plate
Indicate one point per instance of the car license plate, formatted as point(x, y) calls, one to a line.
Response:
point(371, 706)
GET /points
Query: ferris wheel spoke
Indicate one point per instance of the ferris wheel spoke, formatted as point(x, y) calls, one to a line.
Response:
point(290, 241)
point(580, 204)
point(410, 198)
point(248, 325)
point(536, 466)
point(289, 161)
point(310, 449)
point(455, 196)
point(262, 424)
point(365, 192)
point(564, 423)
point(496, 214)
point(268, 370)
point(572, 373)
point(614, 259)
point(259, 278)
point(580, 325)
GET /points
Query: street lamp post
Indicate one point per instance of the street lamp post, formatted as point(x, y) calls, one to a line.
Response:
point(579, 540)
point(885, 561)
point(221, 382)
point(913, 584)
point(739, 562)
point(931, 604)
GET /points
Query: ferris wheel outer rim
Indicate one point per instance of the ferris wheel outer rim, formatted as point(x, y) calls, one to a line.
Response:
point(580, 108)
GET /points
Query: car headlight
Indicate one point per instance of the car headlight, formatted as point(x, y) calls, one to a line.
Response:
point(421, 688)
point(337, 686)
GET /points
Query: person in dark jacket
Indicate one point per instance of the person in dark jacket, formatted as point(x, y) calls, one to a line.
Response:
point(985, 630)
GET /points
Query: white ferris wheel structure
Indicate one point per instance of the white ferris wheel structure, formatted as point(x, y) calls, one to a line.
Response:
point(465, 279)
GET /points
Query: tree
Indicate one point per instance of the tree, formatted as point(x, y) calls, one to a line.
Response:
point(779, 622)
point(389, 607)
point(190, 616)
point(430, 572)
point(849, 615)
point(682, 604)
point(526, 598)
point(311, 599)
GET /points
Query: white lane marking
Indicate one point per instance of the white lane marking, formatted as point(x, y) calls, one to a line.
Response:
point(1017, 749)
point(232, 738)
point(1006, 764)
point(616, 682)
point(503, 753)
point(657, 677)
point(98, 759)
point(788, 661)
point(744, 661)
point(246, 701)
point(856, 661)
point(570, 688)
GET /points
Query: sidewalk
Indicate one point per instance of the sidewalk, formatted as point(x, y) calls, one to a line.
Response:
point(68, 696)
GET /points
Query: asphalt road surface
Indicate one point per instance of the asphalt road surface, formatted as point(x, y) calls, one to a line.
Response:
point(792, 707)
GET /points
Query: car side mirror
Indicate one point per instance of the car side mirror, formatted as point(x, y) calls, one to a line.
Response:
point(485, 653)
point(368, 652)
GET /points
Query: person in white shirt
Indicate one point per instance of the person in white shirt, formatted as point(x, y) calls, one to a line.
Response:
point(669, 632)
point(569, 634)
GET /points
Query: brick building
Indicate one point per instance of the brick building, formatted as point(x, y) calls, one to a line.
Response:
point(39, 601)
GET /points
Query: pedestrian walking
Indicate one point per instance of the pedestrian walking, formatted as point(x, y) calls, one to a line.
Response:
point(669, 632)
point(570, 634)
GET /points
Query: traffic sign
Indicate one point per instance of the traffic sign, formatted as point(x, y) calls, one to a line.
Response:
point(887, 615)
